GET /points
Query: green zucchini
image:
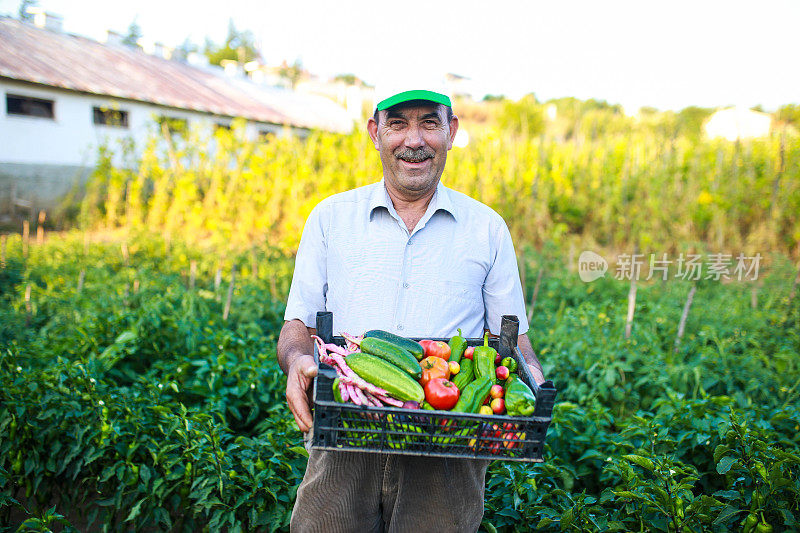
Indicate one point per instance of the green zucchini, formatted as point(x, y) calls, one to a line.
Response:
point(414, 347)
point(387, 376)
point(392, 353)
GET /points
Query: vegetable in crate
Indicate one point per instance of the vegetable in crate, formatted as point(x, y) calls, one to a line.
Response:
point(433, 367)
point(413, 347)
point(473, 395)
point(465, 375)
point(484, 359)
point(436, 349)
point(383, 374)
point(510, 363)
point(400, 357)
point(441, 394)
point(457, 345)
point(520, 400)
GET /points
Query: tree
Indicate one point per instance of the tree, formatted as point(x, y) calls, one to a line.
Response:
point(240, 46)
point(524, 117)
point(182, 51)
point(293, 72)
point(23, 14)
point(789, 113)
point(133, 35)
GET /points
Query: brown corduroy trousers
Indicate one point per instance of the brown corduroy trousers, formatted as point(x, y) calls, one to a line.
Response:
point(370, 492)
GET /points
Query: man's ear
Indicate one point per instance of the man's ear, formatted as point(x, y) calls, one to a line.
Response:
point(453, 131)
point(372, 130)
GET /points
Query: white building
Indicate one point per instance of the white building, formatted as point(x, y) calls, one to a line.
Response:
point(63, 95)
point(738, 123)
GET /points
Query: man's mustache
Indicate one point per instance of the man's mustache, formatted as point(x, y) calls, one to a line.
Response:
point(415, 155)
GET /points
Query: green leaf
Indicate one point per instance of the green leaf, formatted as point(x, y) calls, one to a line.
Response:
point(644, 462)
point(299, 450)
point(627, 494)
point(725, 464)
point(125, 336)
point(135, 510)
point(726, 514)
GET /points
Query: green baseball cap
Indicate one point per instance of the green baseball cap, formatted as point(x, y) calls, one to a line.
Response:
point(399, 91)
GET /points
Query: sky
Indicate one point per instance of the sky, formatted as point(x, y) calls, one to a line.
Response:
point(662, 54)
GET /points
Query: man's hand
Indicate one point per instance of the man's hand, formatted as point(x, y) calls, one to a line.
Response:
point(298, 385)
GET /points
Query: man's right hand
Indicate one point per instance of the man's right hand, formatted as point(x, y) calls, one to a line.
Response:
point(298, 385)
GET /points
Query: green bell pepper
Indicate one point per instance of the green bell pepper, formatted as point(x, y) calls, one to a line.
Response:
point(520, 400)
point(484, 357)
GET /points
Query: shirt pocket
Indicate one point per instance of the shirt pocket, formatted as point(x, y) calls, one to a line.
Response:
point(452, 302)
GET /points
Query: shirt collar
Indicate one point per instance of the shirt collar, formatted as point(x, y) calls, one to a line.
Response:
point(441, 200)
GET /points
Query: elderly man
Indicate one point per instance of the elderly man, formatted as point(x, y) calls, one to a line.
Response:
point(407, 255)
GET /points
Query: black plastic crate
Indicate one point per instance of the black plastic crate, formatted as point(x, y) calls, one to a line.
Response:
point(349, 427)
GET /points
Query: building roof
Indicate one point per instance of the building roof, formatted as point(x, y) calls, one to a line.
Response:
point(32, 54)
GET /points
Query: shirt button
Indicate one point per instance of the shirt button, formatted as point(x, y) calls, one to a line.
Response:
point(405, 285)
point(409, 243)
point(399, 326)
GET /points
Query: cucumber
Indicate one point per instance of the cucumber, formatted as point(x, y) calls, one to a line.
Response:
point(465, 375)
point(387, 376)
point(415, 348)
point(392, 353)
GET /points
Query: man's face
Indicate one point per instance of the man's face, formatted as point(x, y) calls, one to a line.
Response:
point(413, 140)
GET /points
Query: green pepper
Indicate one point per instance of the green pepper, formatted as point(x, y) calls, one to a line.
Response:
point(473, 395)
point(510, 363)
point(484, 357)
point(465, 375)
point(749, 523)
point(337, 392)
point(427, 406)
point(520, 400)
point(457, 346)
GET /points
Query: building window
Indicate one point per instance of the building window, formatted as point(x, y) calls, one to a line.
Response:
point(110, 117)
point(175, 126)
point(29, 107)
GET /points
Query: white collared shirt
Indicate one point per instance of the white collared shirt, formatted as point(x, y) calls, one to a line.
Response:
point(356, 258)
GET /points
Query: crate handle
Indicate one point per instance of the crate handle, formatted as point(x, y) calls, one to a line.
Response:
point(325, 326)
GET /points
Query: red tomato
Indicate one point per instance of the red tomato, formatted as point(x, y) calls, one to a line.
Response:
point(441, 394)
point(437, 349)
point(433, 367)
point(468, 352)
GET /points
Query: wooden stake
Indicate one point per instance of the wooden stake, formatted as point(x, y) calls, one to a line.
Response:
point(28, 304)
point(273, 288)
point(192, 274)
point(631, 308)
point(684, 315)
point(217, 282)
point(125, 254)
point(794, 286)
point(253, 264)
point(227, 309)
point(81, 278)
point(535, 294)
point(523, 274)
point(135, 286)
point(40, 229)
point(26, 237)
